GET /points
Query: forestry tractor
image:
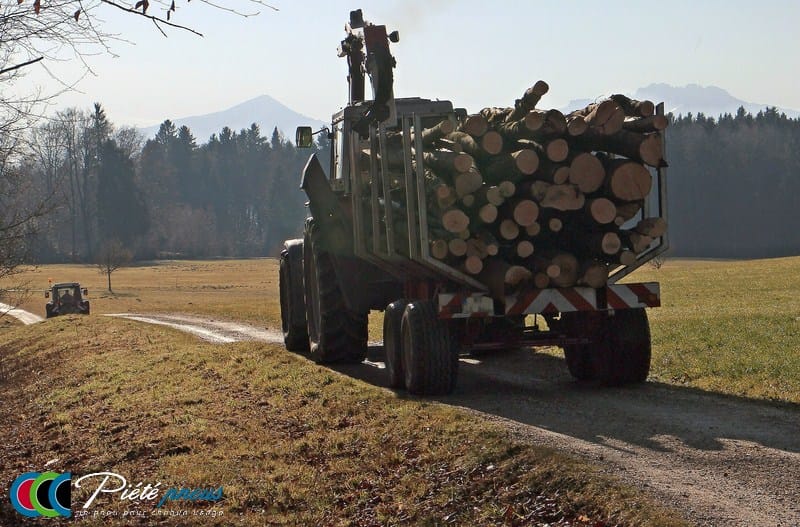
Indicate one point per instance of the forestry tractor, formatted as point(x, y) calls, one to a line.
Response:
point(66, 299)
point(397, 226)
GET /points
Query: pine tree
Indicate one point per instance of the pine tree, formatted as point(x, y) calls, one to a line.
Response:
point(122, 214)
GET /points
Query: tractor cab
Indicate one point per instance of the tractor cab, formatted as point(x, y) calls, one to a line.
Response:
point(66, 298)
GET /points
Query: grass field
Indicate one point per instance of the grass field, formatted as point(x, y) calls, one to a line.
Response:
point(291, 443)
point(731, 327)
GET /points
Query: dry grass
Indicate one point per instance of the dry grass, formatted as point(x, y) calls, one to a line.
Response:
point(290, 442)
point(293, 443)
point(236, 289)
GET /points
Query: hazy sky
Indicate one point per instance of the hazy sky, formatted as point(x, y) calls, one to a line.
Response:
point(475, 53)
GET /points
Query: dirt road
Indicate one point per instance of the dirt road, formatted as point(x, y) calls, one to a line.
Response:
point(23, 316)
point(721, 460)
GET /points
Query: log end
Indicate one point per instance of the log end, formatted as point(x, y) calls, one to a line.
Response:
point(526, 161)
point(492, 142)
point(525, 212)
point(557, 150)
point(587, 172)
point(455, 221)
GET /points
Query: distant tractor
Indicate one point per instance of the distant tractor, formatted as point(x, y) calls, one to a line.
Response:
point(66, 299)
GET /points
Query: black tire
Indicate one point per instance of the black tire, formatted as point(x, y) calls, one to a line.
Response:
point(392, 342)
point(619, 349)
point(48, 309)
point(579, 362)
point(295, 332)
point(580, 357)
point(624, 356)
point(335, 333)
point(430, 359)
point(88, 307)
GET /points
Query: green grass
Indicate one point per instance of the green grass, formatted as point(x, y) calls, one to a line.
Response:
point(731, 327)
point(292, 443)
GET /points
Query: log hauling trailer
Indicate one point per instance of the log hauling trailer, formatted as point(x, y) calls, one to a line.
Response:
point(460, 227)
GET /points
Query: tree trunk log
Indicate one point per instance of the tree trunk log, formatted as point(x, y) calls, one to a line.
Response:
point(634, 108)
point(528, 101)
point(587, 172)
point(628, 180)
point(524, 249)
point(652, 227)
point(513, 167)
point(593, 273)
point(475, 125)
point(509, 230)
point(444, 161)
point(439, 249)
point(604, 118)
point(568, 270)
point(643, 125)
point(601, 210)
point(457, 247)
point(431, 135)
point(523, 211)
point(576, 125)
point(454, 220)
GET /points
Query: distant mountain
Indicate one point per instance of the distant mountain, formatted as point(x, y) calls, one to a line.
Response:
point(265, 111)
point(709, 100)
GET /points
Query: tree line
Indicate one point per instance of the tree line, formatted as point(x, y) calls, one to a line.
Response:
point(235, 195)
point(733, 183)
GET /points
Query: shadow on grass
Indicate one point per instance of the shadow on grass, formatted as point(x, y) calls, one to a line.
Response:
point(535, 389)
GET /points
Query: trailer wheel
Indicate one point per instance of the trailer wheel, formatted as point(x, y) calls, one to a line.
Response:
point(293, 320)
point(580, 357)
point(579, 362)
point(624, 356)
point(392, 342)
point(430, 359)
point(335, 333)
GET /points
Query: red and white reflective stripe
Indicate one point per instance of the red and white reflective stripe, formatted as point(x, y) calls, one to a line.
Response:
point(618, 296)
point(633, 295)
point(552, 301)
point(465, 305)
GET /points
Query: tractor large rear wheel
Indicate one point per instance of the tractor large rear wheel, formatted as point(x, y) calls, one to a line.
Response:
point(293, 309)
point(430, 359)
point(335, 333)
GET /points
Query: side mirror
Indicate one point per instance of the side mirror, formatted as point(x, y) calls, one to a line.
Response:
point(47, 294)
point(86, 292)
point(304, 137)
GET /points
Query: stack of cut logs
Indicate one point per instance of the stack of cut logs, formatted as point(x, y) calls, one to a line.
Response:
point(522, 197)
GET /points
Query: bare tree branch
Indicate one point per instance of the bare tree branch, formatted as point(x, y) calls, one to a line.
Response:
point(157, 20)
point(18, 66)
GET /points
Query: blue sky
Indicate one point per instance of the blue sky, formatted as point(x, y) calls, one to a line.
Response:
point(475, 53)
